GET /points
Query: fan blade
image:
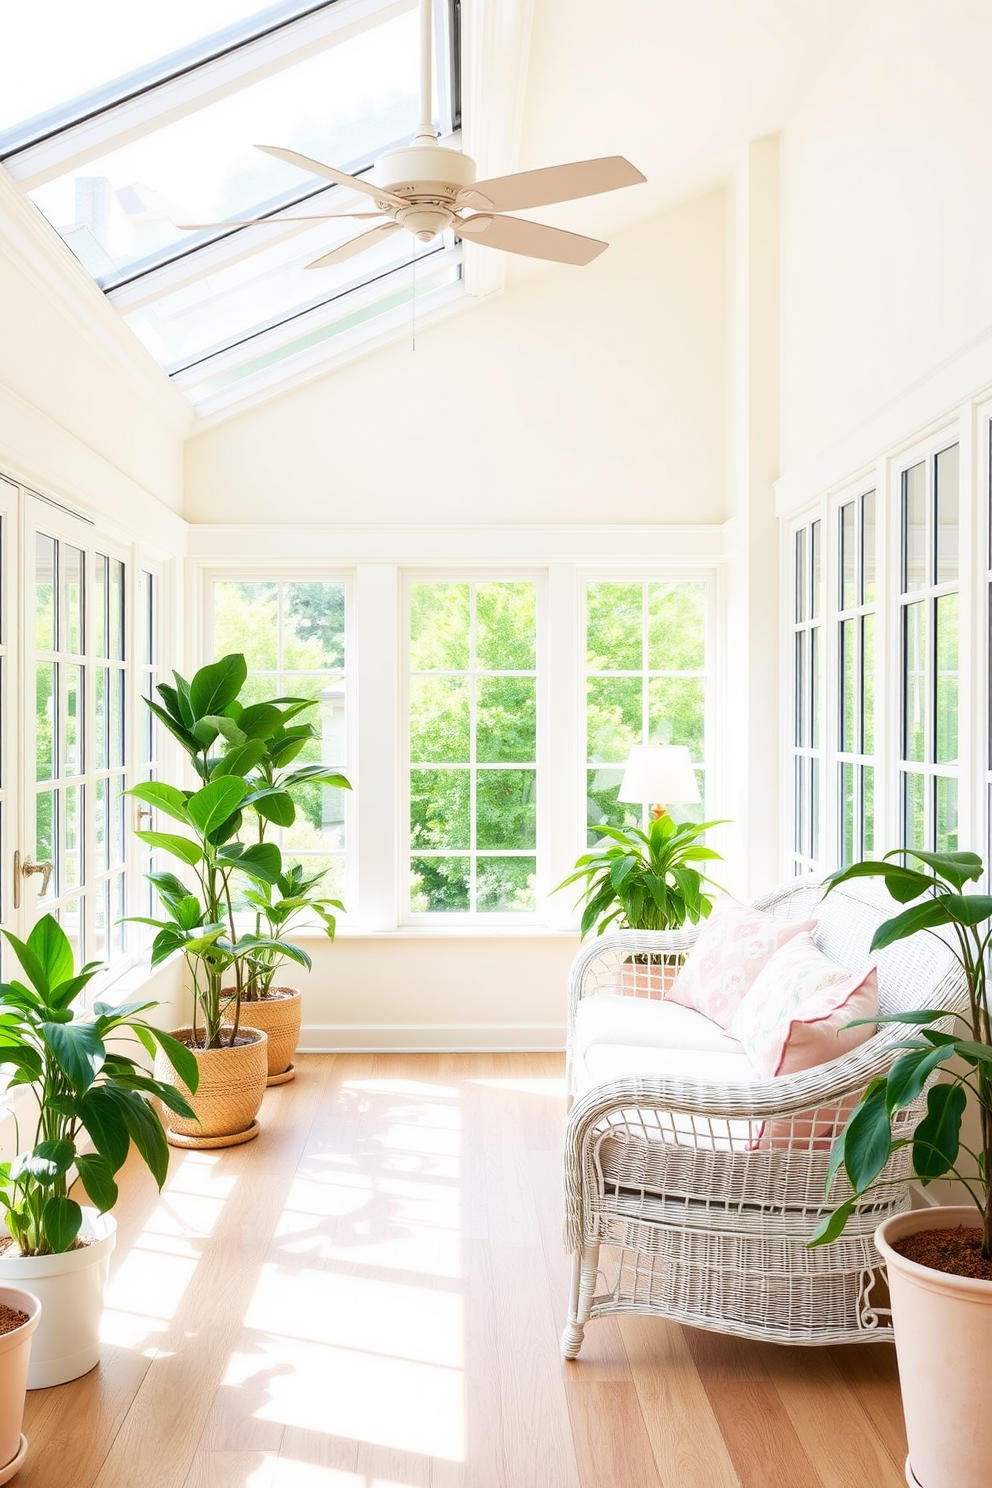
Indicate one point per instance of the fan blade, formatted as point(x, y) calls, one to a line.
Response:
point(514, 235)
point(355, 245)
point(275, 221)
point(317, 168)
point(555, 183)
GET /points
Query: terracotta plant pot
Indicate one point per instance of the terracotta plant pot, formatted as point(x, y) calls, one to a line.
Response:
point(279, 1015)
point(943, 1334)
point(649, 974)
point(15, 1351)
point(232, 1083)
point(70, 1288)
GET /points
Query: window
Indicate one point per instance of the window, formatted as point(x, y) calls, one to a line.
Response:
point(292, 635)
point(856, 677)
point(928, 612)
point(473, 790)
point(645, 683)
point(807, 674)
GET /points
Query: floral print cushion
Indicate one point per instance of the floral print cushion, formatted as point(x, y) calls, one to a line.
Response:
point(734, 946)
point(794, 1016)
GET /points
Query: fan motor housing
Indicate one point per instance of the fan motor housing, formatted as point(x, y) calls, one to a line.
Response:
point(429, 171)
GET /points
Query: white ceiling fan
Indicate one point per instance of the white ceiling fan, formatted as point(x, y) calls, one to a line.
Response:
point(426, 187)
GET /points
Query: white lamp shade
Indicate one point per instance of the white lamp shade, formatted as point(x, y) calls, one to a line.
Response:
point(659, 774)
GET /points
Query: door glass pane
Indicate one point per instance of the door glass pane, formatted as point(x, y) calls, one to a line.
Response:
point(46, 692)
point(72, 722)
point(848, 557)
point(847, 813)
point(71, 577)
point(101, 599)
point(440, 808)
point(116, 609)
point(101, 826)
point(115, 721)
point(505, 627)
point(816, 685)
point(614, 713)
point(440, 627)
point(440, 884)
point(946, 730)
point(44, 593)
point(914, 528)
point(915, 672)
point(868, 548)
point(946, 477)
point(799, 804)
point(506, 720)
point(676, 713)
point(817, 564)
point(848, 695)
point(676, 627)
point(868, 684)
point(46, 830)
point(801, 689)
point(801, 576)
point(505, 808)
point(914, 809)
point(72, 796)
point(947, 813)
point(868, 810)
point(507, 885)
point(814, 808)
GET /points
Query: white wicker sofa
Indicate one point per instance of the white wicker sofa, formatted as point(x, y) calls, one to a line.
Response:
point(673, 1203)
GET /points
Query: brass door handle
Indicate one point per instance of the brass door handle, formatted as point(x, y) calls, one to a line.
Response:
point(27, 868)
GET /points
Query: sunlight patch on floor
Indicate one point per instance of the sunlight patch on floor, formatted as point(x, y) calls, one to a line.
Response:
point(392, 1223)
point(554, 1087)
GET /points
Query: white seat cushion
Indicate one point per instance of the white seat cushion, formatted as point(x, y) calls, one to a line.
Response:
point(646, 1023)
point(604, 1062)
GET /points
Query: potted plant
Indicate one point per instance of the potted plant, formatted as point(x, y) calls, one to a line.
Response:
point(84, 1086)
point(19, 1315)
point(281, 788)
point(938, 1260)
point(645, 880)
point(277, 1008)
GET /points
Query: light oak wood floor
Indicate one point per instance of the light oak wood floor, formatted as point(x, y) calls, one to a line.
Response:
point(370, 1296)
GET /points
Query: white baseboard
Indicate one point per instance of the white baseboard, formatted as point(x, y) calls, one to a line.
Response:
point(431, 1038)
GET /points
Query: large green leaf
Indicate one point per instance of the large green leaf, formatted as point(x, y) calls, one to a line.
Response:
point(79, 1051)
point(47, 1162)
point(261, 860)
point(181, 1059)
point(215, 686)
point(177, 729)
point(163, 797)
point(938, 1136)
point(218, 800)
point(968, 909)
point(274, 804)
point(910, 1073)
point(260, 721)
point(50, 944)
point(831, 1225)
point(239, 761)
point(867, 1141)
point(97, 1178)
point(60, 1220)
point(180, 847)
point(26, 1061)
point(33, 968)
point(104, 1121)
point(145, 1131)
point(926, 916)
point(958, 868)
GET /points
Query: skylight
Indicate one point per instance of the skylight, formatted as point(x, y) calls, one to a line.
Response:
point(116, 170)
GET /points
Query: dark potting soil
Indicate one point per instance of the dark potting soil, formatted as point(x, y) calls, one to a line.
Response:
point(11, 1318)
point(957, 1251)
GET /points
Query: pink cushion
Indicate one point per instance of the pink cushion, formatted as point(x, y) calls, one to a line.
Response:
point(793, 1019)
point(734, 945)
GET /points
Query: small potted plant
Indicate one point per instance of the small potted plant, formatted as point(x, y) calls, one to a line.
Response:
point(280, 789)
point(938, 1260)
point(645, 880)
point(19, 1316)
point(84, 1087)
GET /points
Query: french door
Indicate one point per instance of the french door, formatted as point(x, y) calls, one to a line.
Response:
point(71, 838)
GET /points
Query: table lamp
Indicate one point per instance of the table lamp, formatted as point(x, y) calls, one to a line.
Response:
point(659, 775)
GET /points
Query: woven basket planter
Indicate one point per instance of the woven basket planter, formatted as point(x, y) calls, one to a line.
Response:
point(279, 1015)
point(232, 1083)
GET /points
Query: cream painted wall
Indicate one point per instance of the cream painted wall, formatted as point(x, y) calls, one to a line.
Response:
point(84, 413)
point(886, 216)
point(577, 396)
point(415, 991)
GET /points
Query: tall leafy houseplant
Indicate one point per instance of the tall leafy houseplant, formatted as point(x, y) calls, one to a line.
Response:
point(83, 1089)
point(645, 880)
point(867, 1142)
point(225, 741)
point(294, 898)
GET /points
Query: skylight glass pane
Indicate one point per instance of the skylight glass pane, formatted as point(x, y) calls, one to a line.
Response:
point(347, 315)
point(343, 105)
point(251, 294)
point(57, 50)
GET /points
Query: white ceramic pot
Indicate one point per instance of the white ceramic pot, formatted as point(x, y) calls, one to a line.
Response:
point(943, 1334)
point(70, 1288)
point(15, 1350)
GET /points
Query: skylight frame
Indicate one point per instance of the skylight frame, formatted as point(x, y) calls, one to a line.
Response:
point(65, 140)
